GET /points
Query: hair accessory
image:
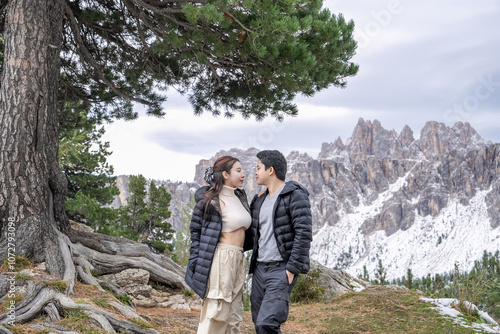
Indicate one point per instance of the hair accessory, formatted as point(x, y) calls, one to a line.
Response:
point(209, 176)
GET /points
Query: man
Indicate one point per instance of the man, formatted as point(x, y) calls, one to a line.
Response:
point(280, 236)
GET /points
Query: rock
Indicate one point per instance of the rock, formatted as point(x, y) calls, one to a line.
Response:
point(128, 277)
point(132, 281)
point(138, 290)
point(336, 282)
point(81, 227)
point(194, 302)
point(41, 266)
point(177, 302)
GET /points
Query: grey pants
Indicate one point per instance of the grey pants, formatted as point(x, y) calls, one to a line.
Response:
point(270, 297)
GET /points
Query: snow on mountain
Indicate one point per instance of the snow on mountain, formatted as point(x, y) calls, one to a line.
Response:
point(420, 204)
point(431, 245)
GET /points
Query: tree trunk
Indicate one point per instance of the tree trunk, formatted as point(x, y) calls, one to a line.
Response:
point(32, 185)
point(33, 222)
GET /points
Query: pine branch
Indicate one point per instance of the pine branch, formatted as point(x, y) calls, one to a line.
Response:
point(84, 53)
point(237, 21)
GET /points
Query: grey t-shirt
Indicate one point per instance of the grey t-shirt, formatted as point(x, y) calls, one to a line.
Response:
point(268, 250)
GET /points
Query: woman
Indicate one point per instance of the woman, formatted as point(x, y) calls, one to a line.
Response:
point(216, 268)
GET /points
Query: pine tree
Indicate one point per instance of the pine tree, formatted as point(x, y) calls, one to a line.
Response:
point(409, 279)
point(182, 242)
point(135, 216)
point(83, 159)
point(250, 57)
point(144, 217)
point(380, 273)
point(158, 230)
point(366, 276)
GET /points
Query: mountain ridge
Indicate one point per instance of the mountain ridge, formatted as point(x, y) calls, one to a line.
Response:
point(378, 194)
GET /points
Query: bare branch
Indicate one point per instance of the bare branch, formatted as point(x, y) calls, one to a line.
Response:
point(237, 21)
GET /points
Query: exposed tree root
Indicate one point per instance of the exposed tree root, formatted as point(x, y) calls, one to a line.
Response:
point(4, 330)
point(81, 260)
point(123, 254)
point(42, 298)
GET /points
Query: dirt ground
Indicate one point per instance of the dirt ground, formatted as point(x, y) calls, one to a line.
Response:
point(186, 322)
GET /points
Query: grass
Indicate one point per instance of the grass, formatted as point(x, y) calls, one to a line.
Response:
point(7, 302)
point(15, 329)
point(59, 286)
point(23, 276)
point(101, 302)
point(374, 310)
point(19, 264)
point(124, 299)
point(142, 323)
point(78, 320)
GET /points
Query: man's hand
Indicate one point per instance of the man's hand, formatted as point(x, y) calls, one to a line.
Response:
point(290, 276)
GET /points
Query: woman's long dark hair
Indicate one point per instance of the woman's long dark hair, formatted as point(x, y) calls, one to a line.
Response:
point(222, 164)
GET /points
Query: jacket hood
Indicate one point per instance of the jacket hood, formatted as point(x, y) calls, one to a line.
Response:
point(199, 193)
point(291, 186)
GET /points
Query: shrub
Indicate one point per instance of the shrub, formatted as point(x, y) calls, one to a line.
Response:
point(308, 288)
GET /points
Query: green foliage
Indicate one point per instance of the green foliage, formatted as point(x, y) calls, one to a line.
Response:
point(295, 46)
point(124, 299)
point(78, 320)
point(134, 216)
point(380, 273)
point(144, 218)
point(247, 306)
point(182, 241)
point(82, 158)
point(23, 276)
point(42, 331)
point(102, 302)
point(142, 323)
point(188, 293)
point(251, 57)
point(16, 298)
point(379, 310)
point(308, 288)
point(20, 263)
point(481, 286)
point(409, 279)
point(366, 275)
point(59, 286)
point(159, 229)
point(14, 329)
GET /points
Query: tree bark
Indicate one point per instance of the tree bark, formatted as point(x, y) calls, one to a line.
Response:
point(32, 186)
point(33, 222)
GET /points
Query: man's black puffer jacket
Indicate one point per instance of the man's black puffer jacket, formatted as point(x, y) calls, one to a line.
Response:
point(205, 232)
point(292, 227)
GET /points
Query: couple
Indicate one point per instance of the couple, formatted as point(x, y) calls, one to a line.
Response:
point(277, 227)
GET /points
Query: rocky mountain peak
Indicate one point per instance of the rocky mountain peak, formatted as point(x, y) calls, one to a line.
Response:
point(406, 136)
point(383, 195)
point(437, 139)
point(297, 156)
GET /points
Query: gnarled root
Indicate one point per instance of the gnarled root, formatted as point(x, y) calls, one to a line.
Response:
point(40, 297)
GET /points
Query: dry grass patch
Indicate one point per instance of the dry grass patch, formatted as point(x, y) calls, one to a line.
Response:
point(377, 310)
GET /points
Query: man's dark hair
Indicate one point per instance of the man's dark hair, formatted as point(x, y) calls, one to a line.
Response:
point(275, 159)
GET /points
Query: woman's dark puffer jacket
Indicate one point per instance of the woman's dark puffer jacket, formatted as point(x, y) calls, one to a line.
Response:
point(292, 227)
point(205, 234)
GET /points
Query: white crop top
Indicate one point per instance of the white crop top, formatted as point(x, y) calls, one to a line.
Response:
point(234, 214)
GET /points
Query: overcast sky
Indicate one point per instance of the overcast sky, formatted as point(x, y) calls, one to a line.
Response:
point(419, 61)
